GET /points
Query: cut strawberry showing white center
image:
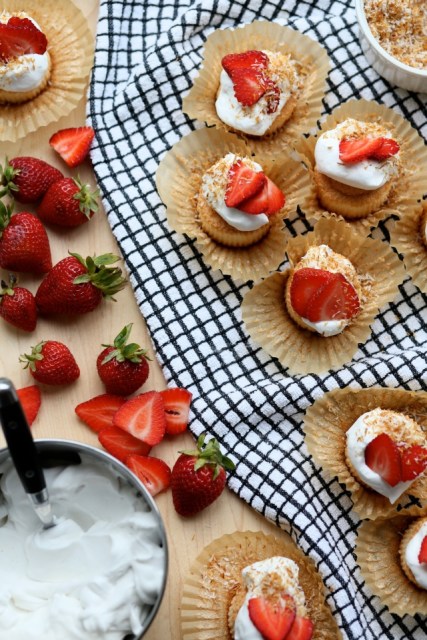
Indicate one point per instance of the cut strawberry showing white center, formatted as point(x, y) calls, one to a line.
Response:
point(250, 82)
point(278, 620)
point(352, 150)
point(252, 191)
point(19, 37)
point(395, 462)
point(422, 556)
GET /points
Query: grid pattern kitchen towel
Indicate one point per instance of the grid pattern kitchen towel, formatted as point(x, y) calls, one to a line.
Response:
point(147, 54)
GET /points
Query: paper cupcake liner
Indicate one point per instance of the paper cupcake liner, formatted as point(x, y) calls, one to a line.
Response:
point(216, 576)
point(406, 238)
point(70, 46)
point(411, 184)
point(313, 66)
point(377, 551)
point(269, 324)
point(326, 423)
point(178, 180)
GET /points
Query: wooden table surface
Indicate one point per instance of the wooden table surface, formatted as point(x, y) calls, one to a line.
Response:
point(84, 335)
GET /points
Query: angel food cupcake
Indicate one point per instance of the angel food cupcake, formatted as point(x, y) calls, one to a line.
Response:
point(413, 553)
point(24, 60)
point(257, 91)
point(356, 165)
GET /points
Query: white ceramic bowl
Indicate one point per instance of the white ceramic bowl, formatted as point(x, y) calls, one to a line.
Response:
point(388, 67)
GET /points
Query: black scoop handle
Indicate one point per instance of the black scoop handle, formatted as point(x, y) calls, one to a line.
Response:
point(19, 439)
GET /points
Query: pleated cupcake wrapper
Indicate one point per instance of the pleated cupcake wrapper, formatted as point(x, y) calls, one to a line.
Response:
point(216, 577)
point(179, 177)
point(377, 551)
point(269, 324)
point(70, 46)
point(326, 424)
point(406, 237)
point(312, 65)
point(409, 186)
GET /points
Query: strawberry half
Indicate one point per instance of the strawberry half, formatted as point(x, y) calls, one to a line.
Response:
point(272, 620)
point(121, 444)
point(270, 199)
point(30, 399)
point(388, 148)
point(414, 461)
point(246, 71)
point(382, 456)
point(422, 556)
point(19, 37)
point(73, 144)
point(143, 417)
point(353, 150)
point(302, 629)
point(305, 284)
point(254, 59)
point(98, 412)
point(153, 472)
point(177, 409)
point(336, 300)
point(243, 182)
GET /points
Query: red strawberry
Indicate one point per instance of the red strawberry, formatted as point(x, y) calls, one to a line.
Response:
point(273, 96)
point(272, 620)
point(382, 456)
point(16, 21)
point(68, 203)
point(51, 362)
point(27, 179)
point(24, 245)
point(18, 306)
point(153, 472)
point(337, 300)
point(76, 286)
point(73, 144)
point(270, 199)
point(246, 60)
point(177, 409)
point(305, 284)
point(302, 629)
point(143, 417)
point(98, 412)
point(30, 399)
point(249, 86)
point(243, 182)
point(422, 556)
point(198, 477)
point(357, 149)
point(121, 444)
point(17, 39)
point(122, 367)
point(414, 461)
point(388, 148)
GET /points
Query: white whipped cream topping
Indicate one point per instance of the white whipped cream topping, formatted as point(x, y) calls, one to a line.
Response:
point(253, 576)
point(412, 551)
point(253, 120)
point(366, 174)
point(327, 328)
point(214, 186)
point(359, 436)
point(26, 72)
point(93, 575)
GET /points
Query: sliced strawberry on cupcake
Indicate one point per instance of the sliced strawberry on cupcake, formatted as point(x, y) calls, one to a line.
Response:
point(382, 456)
point(273, 619)
point(413, 461)
point(336, 300)
point(243, 182)
point(422, 556)
point(246, 71)
point(18, 37)
point(269, 200)
point(352, 150)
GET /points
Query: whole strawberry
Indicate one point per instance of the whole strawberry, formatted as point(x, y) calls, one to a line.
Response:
point(27, 179)
point(76, 286)
point(51, 362)
point(68, 203)
point(122, 367)
point(198, 477)
point(17, 305)
point(24, 245)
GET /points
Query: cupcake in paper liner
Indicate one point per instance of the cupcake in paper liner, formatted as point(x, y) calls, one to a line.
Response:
point(313, 316)
point(263, 81)
point(409, 236)
point(392, 558)
point(238, 569)
point(367, 163)
point(233, 203)
point(373, 441)
point(46, 84)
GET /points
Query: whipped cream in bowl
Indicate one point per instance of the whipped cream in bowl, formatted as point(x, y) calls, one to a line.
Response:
point(100, 572)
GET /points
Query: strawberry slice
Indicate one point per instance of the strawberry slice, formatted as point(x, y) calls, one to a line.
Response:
point(177, 409)
point(153, 472)
point(121, 444)
point(305, 284)
point(422, 556)
point(272, 621)
point(273, 96)
point(337, 300)
point(73, 144)
point(19, 40)
point(249, 86)
point(242, 182)
point(382, 456)
point(388, 148)
point(302, 629)
point(143, 417)
point(270, 199)
point(15, 21)
point(357, 149)
point(30, 399)
point(98, 412)
point(414, 461)
point(247, 60)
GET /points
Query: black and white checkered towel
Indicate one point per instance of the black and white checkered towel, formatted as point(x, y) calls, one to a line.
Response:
point(148, 52)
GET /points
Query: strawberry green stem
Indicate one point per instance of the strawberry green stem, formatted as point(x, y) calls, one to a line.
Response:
point(123, 351)
point(108, 279)
point(209, 453)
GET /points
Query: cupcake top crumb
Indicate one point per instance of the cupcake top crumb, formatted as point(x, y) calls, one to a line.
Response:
point(400, 427)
